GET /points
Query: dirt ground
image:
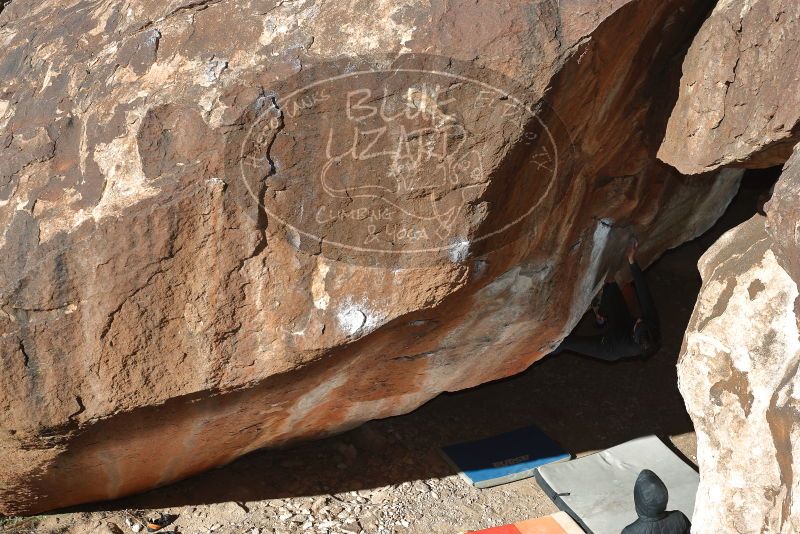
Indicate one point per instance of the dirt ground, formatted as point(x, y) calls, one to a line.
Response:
point(387, 476)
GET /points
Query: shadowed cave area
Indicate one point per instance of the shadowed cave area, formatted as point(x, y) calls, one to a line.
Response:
point(586, 405)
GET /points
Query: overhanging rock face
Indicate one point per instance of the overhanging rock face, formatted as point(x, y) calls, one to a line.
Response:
point(234, 225)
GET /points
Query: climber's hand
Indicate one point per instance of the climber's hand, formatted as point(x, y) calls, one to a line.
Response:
point(633, 246)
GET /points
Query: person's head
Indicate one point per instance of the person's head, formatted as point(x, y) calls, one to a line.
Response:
point(644, 337)
point(650, 495)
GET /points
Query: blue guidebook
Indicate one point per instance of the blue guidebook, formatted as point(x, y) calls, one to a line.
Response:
point(504, 458)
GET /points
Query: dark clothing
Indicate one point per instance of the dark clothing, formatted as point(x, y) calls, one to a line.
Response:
point(651, 496)
point(619, 340)
point(646, 305)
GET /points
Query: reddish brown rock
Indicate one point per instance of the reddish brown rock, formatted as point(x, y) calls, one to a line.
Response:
point(157, 321)
point(739, 102)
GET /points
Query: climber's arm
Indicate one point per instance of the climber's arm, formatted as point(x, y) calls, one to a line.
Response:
point(647, 306)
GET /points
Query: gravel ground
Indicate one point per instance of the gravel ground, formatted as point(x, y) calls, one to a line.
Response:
point(387, 476)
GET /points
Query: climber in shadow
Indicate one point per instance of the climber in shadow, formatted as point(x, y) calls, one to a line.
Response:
point(623, 336)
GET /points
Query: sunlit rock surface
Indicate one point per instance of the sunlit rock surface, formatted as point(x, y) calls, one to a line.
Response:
point(214, 240)
point(738, 372)
point(739, 102)
point(738, 106)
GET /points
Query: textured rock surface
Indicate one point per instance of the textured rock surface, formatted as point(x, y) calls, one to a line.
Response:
point(738, 105)
point(739, 102)
point(738, 373)
point(783, 217)
point(155, 322)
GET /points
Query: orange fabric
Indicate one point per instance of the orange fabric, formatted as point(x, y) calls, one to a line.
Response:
point(505, 529)
point(543, 525)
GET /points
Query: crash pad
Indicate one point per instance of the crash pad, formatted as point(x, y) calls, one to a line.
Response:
point(597, 490)
point(558, 523)
point(503, 458)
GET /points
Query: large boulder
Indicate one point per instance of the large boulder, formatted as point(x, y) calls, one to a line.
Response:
point(739, 103)
point(738, 372)
point(739, 106)
point(232, 225)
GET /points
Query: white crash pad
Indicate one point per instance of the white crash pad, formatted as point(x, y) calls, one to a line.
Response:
point(597, 490)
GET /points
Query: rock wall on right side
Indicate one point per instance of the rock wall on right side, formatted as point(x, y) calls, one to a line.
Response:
point(738, 374)
point(739, 106)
